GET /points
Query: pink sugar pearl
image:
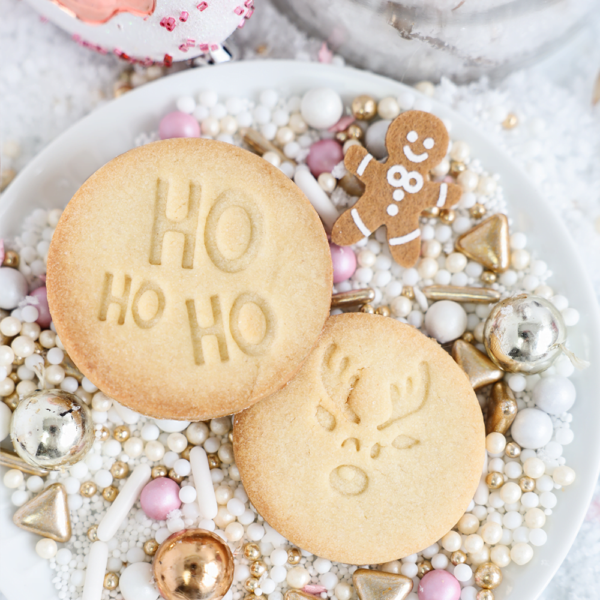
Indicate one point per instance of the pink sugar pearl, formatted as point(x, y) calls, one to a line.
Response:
point(439, 585)
point(159, 497)
point(178, 125)
point(44, 319)
point(344, 262)
point(323, 156)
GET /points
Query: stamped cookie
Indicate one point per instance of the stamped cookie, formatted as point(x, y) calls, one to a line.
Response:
point(372, 452)
point(189, 278)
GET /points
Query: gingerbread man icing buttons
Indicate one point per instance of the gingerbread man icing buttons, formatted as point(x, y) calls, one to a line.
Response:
point(398, 190)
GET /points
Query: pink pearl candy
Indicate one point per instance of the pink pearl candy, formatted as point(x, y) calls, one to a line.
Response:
point(159, 497)
point(344, 262)
point(178, 125)
point(439, 585)
point(323, 156)
point(44, 319)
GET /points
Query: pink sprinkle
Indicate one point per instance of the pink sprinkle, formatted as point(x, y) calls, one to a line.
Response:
point(168, 23)
point(238, 10)
point(249, 13)
point(325, 54)
point(248, 3)
point(190, 43)
point(203, 47)
point(214, 47)
point(1, 251)
point(183, 17)
point(202, 6)
point(183, 48)
point(242, 23)
point(342, 124)
point(314, 590)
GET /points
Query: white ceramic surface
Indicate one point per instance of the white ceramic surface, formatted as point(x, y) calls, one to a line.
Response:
point(59, 170)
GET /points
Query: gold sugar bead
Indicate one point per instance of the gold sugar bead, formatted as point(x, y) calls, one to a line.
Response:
point(364, 107)
point(110, 493)
point(111, 581)
point(213, 461)
point(121, 433)
point(294, 556)
point(384, 311)
point(150, 547)
point(447, 216)
point(18, 361)
point(527, 484)
point(485, 595)
point(367, 308)
point(230, 437)
point(257, 568)
point(468, 337)
point(494, 480)
point(92, 533)
point(251, 551)
point(159, 471)
point(488, 576)
point(477, 211)
point(119, 470)
point(424, 567)
point(11, 259)
point(186, 453)
point(456, 168)
point(408, 292)
point(175, 477)
point(512, 450)
point(341, 136)
point(488, 277)
point(250, 584)
point(102, 434)
point(88, 489)
point(14, 377)
point(511, 121)
point(354, 132)
point(11, 401)
point(430, 212)
point(458, 557)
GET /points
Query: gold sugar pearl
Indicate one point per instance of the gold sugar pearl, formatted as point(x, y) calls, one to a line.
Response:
point(367, 308)
point(110, 493)
point(102, 434)
point(424, 567)
point(175, 477)
point(511, 121)
point(11, 259)
point(485, 595)
point(494, 480)
point(447, 216)
point(257, 568)
point(488, 277)
point(364, 107)
point(458, 557)
point(38, 348)
point(354, 132)
point(430, 212)
point(230, 437)
point(88, 489)
point(92, 533)
point(250, 584)
point(341, 136)
point(512, 450)
point(150, 547)
point(18, 361)
point(159, 471)
point(408, 292)
point(14, 377)
point(213, 461)
point(186, 453)
point(121, 433)
point(11, 401)
point(488, 576)
point(119, 470)
point(477, 211)
point(384, 311)
point(111, 581)
point(527, 484)
point(251, 551)
point(294, 556)
point(456, 168)
point(468, 337)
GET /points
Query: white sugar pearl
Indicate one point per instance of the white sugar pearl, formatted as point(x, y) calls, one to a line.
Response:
point(388, 108)
point(134, 447)
point(100, 402)
point(136, 582)
point(460, 151)
point(343, 591)
point(111, 448)
point(382, 278)
point(277, 574)
point(518, 241)
point(535, 518)
point(530, 500)
point(431, 249)
point(442, 168)
point(234, 532)
point(46, 548)
point(500, 555)
point(517, 382)
point(532, 428)
point(427, 233)
point(177, 442)
point(459, 279)
point(186, 104)
point(473, 543)
point(463, 572)
point(548, 500)
point(71, 485)
point(328, 580)
point(182, 467)
point(554, 395)
point(63, 556)
point(269, 98)
point(564, 436)
point(375, 138)
point(236, 507)
point(445, 321)
point(545, 483)
point(13, 287)
point(537, 537)
point(520, 535)
point(278, 557)
point(210, 126)
point(13, 479)
point(495, 464)
point(297, 577)
point(468, 593)
point(508, 278)
point(297, 124)
point(175, 525)
point(366, 258)
point(512, 519)
point(468, 180)
point(10, 327)
point(280, 117)
point(486, 186)
point(495, 443)
point(392, 567)
point(452, 541)
point(510, 492)
point(363, 274)
point(69, 384)
point(443, 233)
point(322, 565)
point(88, 386)
point(534, 467)
point(75, 502)
point(560, 302)
point(19, 497)
point(196, 433)
point(154, 451)
point(521, 553)
point(563, 475)
point(208, 98)
point(415, 318)
point(187, 494)
point(268, 130)
point(255, 532)
point(228, 125)
point(513, 469)
point(29, 314)
point(519, 259)
point(273, 158)
point(570, 316)
point(103, 478)
point(468, 524)
point(439, 561)
point(409, 570)
point(93, 461)
point(456, 262)
point(491, 533)
point(428, 267)
point(23, 346)
point(321, 108)
point(35, 484)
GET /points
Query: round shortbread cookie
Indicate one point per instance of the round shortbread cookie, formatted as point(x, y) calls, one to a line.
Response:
point(189, 278)
point(372, 452)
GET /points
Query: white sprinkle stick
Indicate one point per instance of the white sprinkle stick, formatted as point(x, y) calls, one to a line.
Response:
point(443, 193)
point(317, 197)
point(95, 571)
point(120, 508)
point(203, 481)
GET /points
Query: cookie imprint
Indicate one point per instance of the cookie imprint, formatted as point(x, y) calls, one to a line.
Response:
point(341, 379)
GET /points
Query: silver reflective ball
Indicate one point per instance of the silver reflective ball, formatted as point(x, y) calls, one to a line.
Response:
point(523, 334)
point(51, 429)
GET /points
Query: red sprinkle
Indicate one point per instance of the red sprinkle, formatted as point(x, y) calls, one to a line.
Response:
point(168, 60)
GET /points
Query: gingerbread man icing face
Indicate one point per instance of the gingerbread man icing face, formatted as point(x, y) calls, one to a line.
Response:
point(398, 190)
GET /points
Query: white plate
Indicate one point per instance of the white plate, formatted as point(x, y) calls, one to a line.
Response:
point(55, 174)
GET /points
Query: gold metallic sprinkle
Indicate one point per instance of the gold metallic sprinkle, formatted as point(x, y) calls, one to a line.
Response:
point(352, 298)
point(12, 461)
point(461, 294)
point(501, 409)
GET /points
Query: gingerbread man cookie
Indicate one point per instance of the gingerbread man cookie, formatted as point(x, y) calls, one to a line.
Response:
point(398, 190)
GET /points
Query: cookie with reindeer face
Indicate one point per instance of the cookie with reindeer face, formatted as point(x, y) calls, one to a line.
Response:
point(372, 452)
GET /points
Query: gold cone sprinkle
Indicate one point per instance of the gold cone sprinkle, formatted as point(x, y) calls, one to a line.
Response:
point(461, 294)
point(501, 409)
point(488, 243)
point(478, 367)
point(377, 585)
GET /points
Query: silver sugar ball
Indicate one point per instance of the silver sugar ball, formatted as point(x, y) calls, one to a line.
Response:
point(51, 429)
point(524, 334)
